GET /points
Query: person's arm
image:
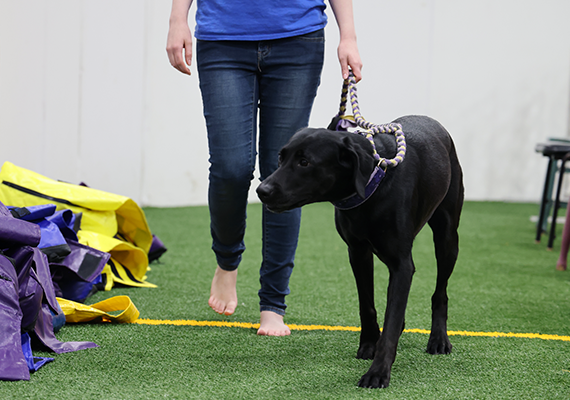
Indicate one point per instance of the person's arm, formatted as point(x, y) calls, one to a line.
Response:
point(348, 54)
point(179, 42)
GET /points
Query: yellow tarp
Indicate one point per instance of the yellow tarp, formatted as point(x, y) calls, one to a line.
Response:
point(105, 216)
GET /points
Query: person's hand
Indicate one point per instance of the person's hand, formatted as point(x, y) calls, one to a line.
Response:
point(349, 57)
point(179, 46)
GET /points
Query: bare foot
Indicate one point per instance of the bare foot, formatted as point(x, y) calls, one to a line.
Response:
point(223, 295)
point(271, 324)
point(561, 267)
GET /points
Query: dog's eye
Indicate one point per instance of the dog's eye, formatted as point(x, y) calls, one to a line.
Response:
point(303, 162)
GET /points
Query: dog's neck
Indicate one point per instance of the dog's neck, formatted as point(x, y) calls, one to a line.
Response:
point(376, 176)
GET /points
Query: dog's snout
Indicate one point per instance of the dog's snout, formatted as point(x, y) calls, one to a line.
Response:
point(264, 191)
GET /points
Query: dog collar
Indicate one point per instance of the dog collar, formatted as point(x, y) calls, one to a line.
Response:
point(355, 200)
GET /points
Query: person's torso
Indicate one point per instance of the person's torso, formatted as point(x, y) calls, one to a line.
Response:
point(258, 19)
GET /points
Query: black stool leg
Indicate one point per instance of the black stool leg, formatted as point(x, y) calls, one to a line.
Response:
point(545, 199)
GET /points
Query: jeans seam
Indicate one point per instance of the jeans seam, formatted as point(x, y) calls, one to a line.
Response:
point(265, 235)
point(254, 133)
point(262, 53)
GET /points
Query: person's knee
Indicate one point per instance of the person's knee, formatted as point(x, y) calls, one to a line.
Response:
point(232, 169)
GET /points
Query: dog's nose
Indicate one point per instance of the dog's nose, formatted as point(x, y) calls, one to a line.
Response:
point(264, 191)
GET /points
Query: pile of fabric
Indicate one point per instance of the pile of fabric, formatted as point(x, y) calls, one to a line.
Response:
point(59, 240)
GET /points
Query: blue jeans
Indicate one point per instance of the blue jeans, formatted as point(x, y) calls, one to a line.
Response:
point(280, 78)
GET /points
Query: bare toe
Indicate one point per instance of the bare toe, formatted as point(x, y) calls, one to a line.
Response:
point(223, 295)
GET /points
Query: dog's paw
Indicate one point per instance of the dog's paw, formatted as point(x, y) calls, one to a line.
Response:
point(438, 344)
point(366, 351)
point(372, 380)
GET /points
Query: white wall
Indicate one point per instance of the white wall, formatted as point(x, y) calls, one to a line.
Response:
point(87, 93)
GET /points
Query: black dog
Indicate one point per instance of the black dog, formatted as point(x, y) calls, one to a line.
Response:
point(325, 165)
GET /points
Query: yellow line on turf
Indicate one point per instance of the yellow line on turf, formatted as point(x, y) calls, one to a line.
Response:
point(247, 325)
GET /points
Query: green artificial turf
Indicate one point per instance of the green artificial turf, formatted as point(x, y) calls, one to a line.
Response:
point(503, 282)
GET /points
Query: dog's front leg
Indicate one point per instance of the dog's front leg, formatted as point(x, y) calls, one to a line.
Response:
point(378, 376)
point(362, 263)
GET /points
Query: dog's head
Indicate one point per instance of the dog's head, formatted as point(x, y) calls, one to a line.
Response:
point(318, 165)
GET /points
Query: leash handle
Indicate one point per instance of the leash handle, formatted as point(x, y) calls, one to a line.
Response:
point(349, 89)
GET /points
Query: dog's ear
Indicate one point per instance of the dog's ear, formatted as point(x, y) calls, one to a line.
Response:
point(361, 170)
point(334, 123)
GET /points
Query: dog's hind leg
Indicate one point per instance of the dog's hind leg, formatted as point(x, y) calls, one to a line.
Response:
point(444, 224)
point(362, 263)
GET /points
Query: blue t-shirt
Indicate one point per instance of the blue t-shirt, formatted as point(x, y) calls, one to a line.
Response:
point(258, 19)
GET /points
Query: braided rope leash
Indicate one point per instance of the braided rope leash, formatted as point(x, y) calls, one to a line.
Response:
point(349, 88)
